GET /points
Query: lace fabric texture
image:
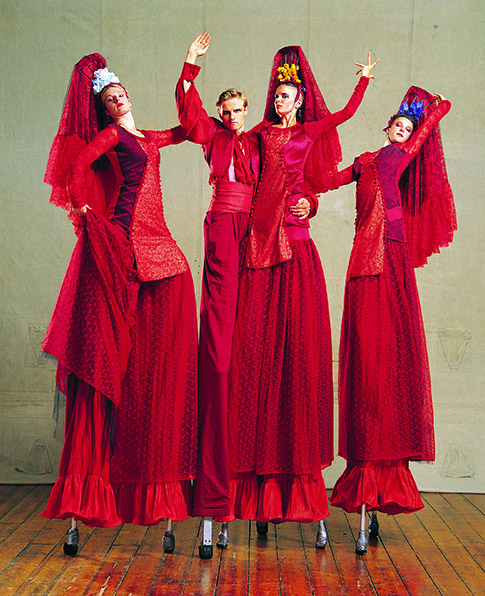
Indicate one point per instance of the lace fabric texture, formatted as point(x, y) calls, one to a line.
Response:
point(429, 209)
point(89, 331)
point(385, 407)
point(78, 127)
point(157, 417)
point(268, 242)
point(281, 394)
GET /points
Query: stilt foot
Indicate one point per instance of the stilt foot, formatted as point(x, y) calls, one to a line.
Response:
point(361, 544)
point(205, 551)
point(322, 537)
point(71, 547)
point(223, 537)
point(261, 528)
point(373, 526)
point(168, 542)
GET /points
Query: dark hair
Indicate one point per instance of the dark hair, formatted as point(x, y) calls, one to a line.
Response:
point(104, 119)
point(413, 121)
point(299, 91)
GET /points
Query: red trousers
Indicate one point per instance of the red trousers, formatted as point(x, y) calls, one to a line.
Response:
point(223, 233)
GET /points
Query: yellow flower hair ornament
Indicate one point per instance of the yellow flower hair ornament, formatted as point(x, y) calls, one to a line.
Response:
point(289, 73)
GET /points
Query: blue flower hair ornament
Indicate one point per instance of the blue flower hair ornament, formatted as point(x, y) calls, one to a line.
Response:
point(414, 111)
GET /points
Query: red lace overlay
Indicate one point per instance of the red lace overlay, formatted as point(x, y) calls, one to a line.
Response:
point(367, 257)
point(156, 433)
point(281, 394)
point(89, 332)
point(281, 403)
point(385, 408)
point(157, 254)
point(268, 242)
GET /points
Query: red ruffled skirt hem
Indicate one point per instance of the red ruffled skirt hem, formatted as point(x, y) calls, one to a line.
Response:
point(147, 504)
point(278, 498)
point(386, 486)
point(87, 498)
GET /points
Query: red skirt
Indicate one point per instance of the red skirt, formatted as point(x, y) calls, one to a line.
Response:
point(386, 486)
point(155, 453)
point(83, 488)
point(385, 407)
point(281, 393)
point(147, 477)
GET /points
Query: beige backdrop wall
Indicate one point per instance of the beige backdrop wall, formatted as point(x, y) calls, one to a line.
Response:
point(437, 44)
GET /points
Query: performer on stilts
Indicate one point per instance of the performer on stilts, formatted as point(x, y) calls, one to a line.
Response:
point(281, 393)
point(124, 327)
point(405, 213)
point(233, 159)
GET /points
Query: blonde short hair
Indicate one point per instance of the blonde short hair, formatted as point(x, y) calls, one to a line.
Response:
point(229, 94)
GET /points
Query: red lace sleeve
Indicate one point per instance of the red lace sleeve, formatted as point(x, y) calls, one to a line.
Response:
point(337, 118)
point(171, 136)
point(416, 142)
point(192, 116)
point(343, 177)
point(79, 191)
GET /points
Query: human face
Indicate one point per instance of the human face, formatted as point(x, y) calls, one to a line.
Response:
point(400, 130)
point(233, 114)
point(116, 101)
point(285, 100)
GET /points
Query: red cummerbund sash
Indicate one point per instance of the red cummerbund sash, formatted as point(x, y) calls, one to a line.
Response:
point(231, 196)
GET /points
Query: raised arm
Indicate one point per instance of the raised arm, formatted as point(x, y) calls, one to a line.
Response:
point(415, 143)
point(337, 118)
point(102, 143)
point(171, 136)
point(192, 116)
point(197, 48)
point(343, 177)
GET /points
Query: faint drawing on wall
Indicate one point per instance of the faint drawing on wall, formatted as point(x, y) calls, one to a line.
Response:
point(456, 464)
point(454, 343)
point(38, 461)
point(33, 348)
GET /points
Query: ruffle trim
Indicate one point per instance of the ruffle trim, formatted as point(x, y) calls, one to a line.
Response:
point(388, 487)
point(147, 504)
point(278, 498)
point(87, 498)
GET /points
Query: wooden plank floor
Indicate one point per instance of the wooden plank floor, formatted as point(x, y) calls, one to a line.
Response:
point(439, 550)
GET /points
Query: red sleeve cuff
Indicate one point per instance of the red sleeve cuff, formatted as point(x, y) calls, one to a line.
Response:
point(189, 72)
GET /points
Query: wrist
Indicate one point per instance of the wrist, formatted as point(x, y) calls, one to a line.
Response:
point(191, 58)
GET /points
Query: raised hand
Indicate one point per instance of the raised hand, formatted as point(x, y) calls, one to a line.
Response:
point(198, 47)
point(366, 69)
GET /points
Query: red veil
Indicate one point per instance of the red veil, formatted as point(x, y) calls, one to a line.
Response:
point(325, 153)
point(428, 205)
point(78, 126)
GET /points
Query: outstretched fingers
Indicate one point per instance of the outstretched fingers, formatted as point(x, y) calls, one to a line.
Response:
point(366, 69)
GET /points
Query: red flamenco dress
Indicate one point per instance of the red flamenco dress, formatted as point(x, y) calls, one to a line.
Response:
point(385, 407)
point(123, 328)
point(281, 394)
